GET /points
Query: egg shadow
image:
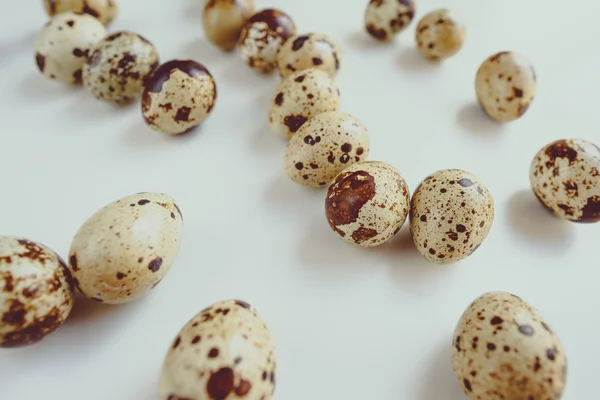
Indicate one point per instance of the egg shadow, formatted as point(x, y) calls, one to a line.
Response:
point(361, 40)
point(141, 135)
point(475, 121)
point(283, 194)
point(202, 51)
point(35, 88)
point(411, 60)
point(242, 77)
point(535, 225)
point(439, 381)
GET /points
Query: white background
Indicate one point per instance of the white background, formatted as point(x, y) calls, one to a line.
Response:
point(348, 323)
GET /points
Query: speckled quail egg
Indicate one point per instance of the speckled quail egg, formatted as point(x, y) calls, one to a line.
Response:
point(262, 37)
point(309, 51)
point(384, 19)
point(440, 35)
point(565, 177)
point(178, 96)
point(63, 45)
point(36, 292)
point(116, 68)
point(300, 97)
point(223, 21)
point(224, 352)
point(126, 248)
point(505, 85)
point(323, 147)
point(367, 203)
point(504, 349)
point(103, 10)
point(451, 214)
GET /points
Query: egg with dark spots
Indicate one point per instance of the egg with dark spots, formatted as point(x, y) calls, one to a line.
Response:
point(262, 36)
point(311, 50)
point(178, 96)
point(126, 248)
point(300, 97)
point(223, 21)
point(440, 35)
point(224, 352)
point(103, 10)
point(323, 147)
point(565, 177)
point(503, 346)
point(451, 214)
point(505, 86)
point(36, 292)
point(64, 43)
point(367, 204)
point(384, 19)
point(117, 67)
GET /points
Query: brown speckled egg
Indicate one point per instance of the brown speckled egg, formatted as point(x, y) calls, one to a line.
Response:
point(565, 177)
point(451, 214)
point(440, 35)
point(126, 248)
point(300, 97)
point(178, 96)
point(116, 68)
point(63, 45)
point(309, 51)
point(262, 37)
point(223, 21)
point(104, 10)
point(505, 85)
point(36, 292)
point(323, 147)
point(224, 352)
point(384, 19)
point(367, 203)
point(504, 349)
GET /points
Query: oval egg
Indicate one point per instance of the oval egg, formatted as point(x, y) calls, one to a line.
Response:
point(309, 51)
point(36, 292)
point(126, 248)
point(223, 21)
point(300, 97)
point(451, 214)
point(504, 349)
point(224, 352)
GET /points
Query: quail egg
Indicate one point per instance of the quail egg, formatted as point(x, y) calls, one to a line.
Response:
point(178, 96)
point(116, 68)
point(504, 349)
point(367, 203)
point(505, 85)
point(309, 51)
point(223, 21)
point(103, 10)
point(451, 214)
point(384, 19)
point(63, 45)
point(300, 97)
point(440, 35)
point(126, 248)
point(565, 177)
point(224, 352)
point(36, 291)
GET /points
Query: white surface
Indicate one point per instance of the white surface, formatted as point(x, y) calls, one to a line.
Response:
point(348, 323)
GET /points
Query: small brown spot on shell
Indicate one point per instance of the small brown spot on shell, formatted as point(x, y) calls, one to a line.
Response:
point(155, 264)
point(220, 384)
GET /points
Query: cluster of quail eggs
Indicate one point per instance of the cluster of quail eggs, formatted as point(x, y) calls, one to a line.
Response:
point(75, 48)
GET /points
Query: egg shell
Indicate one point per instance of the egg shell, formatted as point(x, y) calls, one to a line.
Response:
point(440, 35)
point(36, 292)
point(384, 19)
point(309, 51)
point(504, 349)
point(126, 248)
point(224, 352)
point(178, 96)
point(367, 203)
point(223, 21)
point(116, 68)
point(451, 214)
point(300, 97)
point(262, 37)
point(63, 45)
point(565, 177)
point(323, 147)
point(103, 10)
point(505, 86)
